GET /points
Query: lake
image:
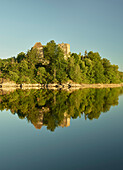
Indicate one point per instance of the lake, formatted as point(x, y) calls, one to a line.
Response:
point(46, 129)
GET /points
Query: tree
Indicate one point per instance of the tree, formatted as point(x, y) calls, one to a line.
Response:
point(41, 75)
point(57, 64)
point(20, 57)
point(13, 76)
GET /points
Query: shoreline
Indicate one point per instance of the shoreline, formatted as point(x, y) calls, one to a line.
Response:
point(57, 86)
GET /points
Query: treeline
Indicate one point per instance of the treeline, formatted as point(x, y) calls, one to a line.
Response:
point(51, 107)
point(53, 68)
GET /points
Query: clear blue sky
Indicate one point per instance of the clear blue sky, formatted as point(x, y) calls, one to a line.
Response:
point(95, 25)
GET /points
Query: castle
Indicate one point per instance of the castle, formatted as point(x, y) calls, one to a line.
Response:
point(64, 47)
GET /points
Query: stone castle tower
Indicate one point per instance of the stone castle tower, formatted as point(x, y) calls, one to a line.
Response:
point(40, 51)
point(66, 49)
point(39, 47)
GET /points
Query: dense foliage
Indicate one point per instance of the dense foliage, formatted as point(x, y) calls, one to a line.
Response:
point(54, 108)
point(53, 68)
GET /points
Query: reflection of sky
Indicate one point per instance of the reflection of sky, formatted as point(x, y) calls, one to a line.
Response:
point(85, 24)
point(86, 144)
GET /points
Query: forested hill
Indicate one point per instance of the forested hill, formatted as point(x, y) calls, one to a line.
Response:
point(53, 68)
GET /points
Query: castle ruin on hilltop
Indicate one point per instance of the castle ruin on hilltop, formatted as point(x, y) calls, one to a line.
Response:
point(64, 47)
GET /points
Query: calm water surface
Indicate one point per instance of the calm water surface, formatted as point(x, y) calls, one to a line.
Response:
point(42, 129)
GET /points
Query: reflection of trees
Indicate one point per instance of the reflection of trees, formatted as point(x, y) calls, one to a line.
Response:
point(55, 108)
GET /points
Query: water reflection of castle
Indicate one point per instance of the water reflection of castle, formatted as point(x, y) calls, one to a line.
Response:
point(55, 108)
point(38, 125)
point(66, 120)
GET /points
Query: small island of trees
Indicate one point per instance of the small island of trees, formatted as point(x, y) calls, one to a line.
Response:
point(89, 68)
